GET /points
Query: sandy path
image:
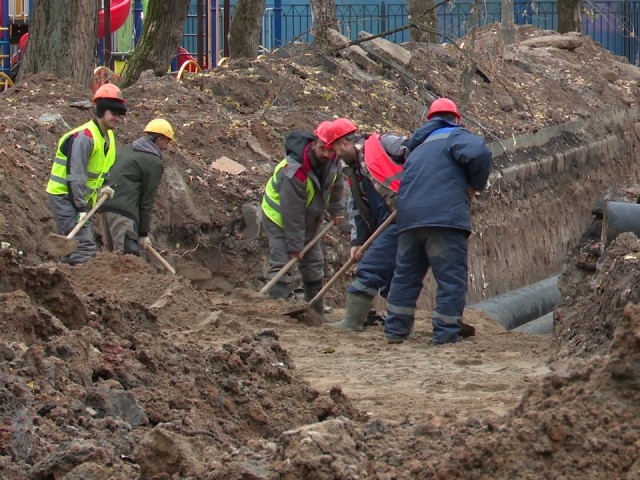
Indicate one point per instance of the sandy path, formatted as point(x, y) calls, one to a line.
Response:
point(484, 375)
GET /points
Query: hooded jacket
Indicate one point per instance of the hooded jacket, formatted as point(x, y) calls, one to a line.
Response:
point(445, 160)
point(135, 177)
point(301, 190)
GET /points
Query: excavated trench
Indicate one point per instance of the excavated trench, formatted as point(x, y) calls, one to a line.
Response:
point(539, 202)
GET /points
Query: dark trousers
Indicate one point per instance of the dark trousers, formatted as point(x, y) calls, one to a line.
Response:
point(444, 250)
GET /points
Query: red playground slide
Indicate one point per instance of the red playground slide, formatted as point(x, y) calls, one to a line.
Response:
point(120, 10)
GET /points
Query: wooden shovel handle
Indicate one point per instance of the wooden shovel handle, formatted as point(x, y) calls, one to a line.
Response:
point(103, 198)
point(383, 226)
point(293, 261)
point(166, 265)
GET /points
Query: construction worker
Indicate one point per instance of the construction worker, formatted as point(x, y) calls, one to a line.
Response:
point(83, 159)
point(373, 169)
point(305, 186)
point(135, 176)
point(447, 165)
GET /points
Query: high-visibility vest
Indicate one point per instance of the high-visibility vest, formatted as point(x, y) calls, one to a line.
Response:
point(271, 198)
point(98, 166)
point(380, 166)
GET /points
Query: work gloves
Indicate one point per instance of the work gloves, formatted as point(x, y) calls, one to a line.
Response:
point(144, 243)
point(80, 216)
point(107, 190)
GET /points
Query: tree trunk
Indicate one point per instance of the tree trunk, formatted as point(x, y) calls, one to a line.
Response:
point(160, 39)
point(246, 29)
point(423, 12)
point(507, 27)
point(569, 16)
point(324, 17)
point(62, 40)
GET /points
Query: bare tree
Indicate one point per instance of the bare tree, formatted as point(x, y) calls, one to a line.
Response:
point(423, 12)
point(161, 37)
point(62, 40)
point(325, 17)
point(244, 35)
point(569, 16)
point(507, 27)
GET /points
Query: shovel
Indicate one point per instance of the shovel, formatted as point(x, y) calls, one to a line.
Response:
point(60, 245)
point(294, 260)
point(299, 311)
point(158, 257)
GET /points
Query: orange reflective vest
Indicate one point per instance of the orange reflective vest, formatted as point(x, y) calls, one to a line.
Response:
point(380, 166)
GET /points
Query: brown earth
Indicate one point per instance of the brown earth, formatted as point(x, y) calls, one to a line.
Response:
point(114, 369)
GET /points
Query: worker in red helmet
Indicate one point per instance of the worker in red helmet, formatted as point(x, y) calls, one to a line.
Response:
point(304, 187)
point(373, 169)
point(447, 165)
point(82, 161)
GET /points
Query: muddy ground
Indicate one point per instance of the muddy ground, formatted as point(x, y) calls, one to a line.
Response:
point(115, 369)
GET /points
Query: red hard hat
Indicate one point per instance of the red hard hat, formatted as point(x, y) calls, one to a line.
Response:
point(443, 105)
point(108, 91)
point(338, 129)
point(321, 131)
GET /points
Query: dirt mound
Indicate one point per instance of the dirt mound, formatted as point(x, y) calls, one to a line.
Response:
point(103, 362)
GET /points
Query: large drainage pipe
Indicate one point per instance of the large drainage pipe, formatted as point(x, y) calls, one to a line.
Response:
point(539, 326)
point(619, 217)
point(517, 307)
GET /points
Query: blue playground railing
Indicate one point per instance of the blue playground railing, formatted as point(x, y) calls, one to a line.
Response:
point(613, 23)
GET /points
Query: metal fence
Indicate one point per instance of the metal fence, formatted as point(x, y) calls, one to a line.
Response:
point(615, 24)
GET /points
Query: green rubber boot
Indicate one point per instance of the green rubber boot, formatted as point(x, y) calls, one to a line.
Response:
point(355, 314)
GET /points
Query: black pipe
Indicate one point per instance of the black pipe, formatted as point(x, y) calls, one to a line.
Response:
point(619, 217)
point(520, 306)
point(539, 326)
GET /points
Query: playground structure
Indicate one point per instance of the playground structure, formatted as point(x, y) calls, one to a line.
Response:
point(118, 33)
point(610, 22)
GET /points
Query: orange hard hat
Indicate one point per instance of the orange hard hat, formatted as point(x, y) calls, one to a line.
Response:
point(108, 91)
point(443, 105)
point(338, 129)
point(321, 131)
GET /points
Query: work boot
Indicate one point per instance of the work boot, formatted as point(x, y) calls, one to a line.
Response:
point(279, 290)
point(311, 289)
point(356, 313)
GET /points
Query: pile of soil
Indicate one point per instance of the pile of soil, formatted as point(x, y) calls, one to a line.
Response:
point(114, 369)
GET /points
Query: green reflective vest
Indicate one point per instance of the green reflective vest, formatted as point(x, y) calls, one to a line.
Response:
point(97, 166)
point(271, 198)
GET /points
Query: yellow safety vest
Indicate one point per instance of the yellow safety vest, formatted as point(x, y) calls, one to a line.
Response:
point(98, 166)
point(271, 198)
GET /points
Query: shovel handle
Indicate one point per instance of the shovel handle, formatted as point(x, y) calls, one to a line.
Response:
point(103, 198)
point(383, 226)
point(159, 257)
point(294, 260)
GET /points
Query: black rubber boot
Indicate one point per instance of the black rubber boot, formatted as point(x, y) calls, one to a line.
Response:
point(355, 313)
point(279, 290)
point(311, 289)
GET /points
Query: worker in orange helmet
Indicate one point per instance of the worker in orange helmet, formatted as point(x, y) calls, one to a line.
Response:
point(373, 168)
point(304, 187)
point(81, 164)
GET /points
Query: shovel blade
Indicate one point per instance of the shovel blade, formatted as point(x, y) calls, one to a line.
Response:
point(297, 311)
point(60, 246)
point(467, 330)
